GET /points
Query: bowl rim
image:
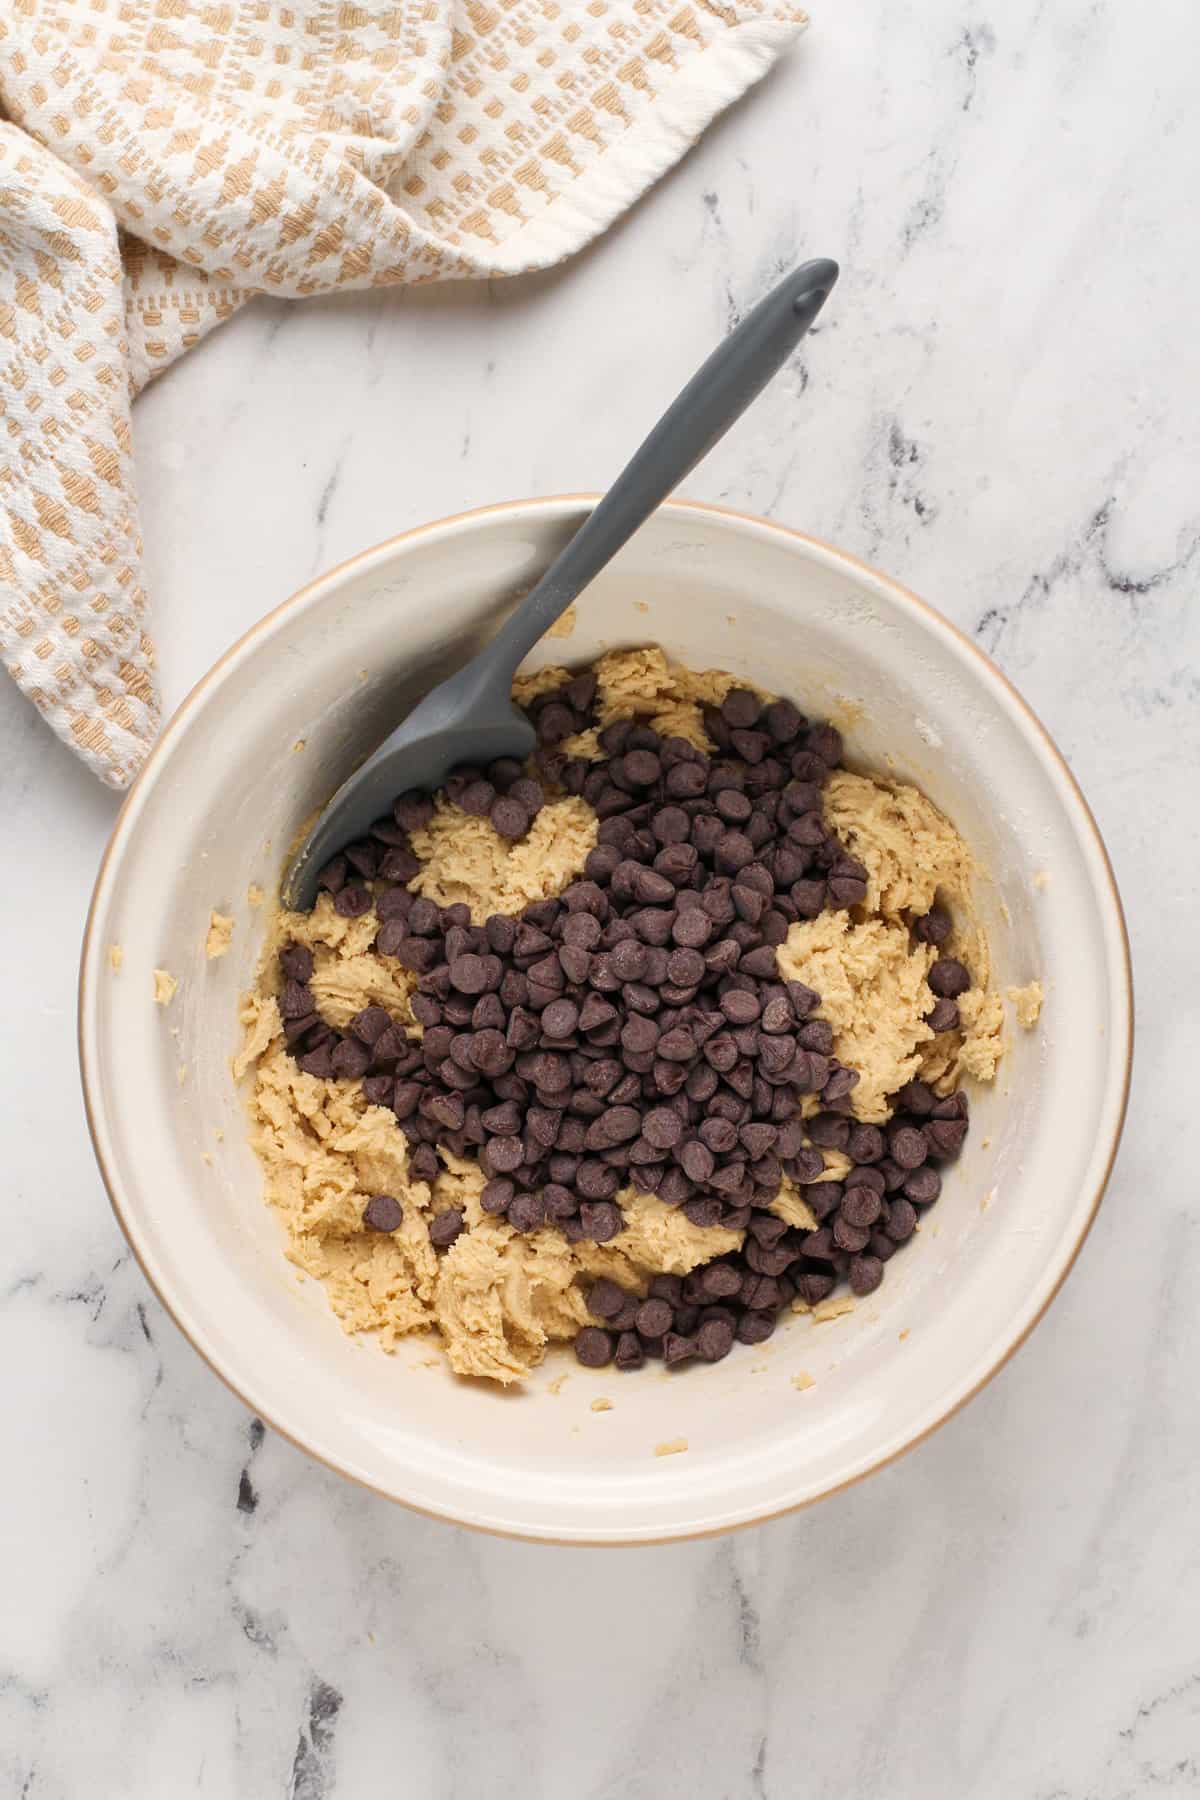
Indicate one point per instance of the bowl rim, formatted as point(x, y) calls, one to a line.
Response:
point(551, 506)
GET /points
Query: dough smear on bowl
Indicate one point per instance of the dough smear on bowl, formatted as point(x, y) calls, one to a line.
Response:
point(448, 1250)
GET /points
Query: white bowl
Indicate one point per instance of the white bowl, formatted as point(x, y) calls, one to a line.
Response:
point(226, 790)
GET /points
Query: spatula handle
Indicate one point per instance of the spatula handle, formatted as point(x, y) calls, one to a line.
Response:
point(717, 395)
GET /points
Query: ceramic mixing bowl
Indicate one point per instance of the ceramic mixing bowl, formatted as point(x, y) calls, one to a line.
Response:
point(261, 743)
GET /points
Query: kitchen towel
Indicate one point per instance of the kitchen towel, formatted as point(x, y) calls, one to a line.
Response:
point(161, 161)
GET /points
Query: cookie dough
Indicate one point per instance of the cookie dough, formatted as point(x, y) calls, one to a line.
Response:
point(220, 935)
point(497, 1298)
point(867, 968)
point(1027, 1004)
point(465, 859)
point(642, 684)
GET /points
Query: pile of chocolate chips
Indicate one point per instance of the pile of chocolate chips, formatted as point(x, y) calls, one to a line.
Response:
point(862, 1222)
point(635, 1031)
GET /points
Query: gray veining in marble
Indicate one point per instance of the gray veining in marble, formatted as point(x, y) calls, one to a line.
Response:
point(1001, 409)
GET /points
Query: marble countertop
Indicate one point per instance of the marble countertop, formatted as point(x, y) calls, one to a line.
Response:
point(999, 407)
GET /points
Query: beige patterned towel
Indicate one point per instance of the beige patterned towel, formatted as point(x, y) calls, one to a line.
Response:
point(163, 160)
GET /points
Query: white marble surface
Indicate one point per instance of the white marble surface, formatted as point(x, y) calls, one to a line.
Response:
point(1000, 408)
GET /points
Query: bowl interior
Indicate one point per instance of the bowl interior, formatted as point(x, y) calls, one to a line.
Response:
point(262, 742)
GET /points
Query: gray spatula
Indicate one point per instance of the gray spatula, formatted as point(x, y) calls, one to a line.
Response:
point(471, 718)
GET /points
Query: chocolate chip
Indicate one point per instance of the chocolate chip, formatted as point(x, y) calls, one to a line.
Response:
point(670, 825)
point(733, 806)
point(816, 1035)
point(677, 1045)
point(476, 798)
point(508, 817)
point(352, 901)
point(733, 851)
point(662, 1127)
point(594, 1347)
point(600, 1219)
point(471, 974)
point(398, 865)
point(933, 927)
point(782, 721)
point(405, 1098)
point(333, 875)
point(808, 1072)
point(416, 953)
point(606, 1299)
point(923, 1186)
point(865, 1143)
point(370, 1024)
point(306, 1032)
point(497, 1195)
point(445, 1228)
point(740, 1007)
point(866, 1273)
point(675, 1187)
point(295, 1002)
point(448, 1110)
point(580, 691)
point(641, 767)
point(907, 1146)
point(697, 1161)
point(830, 1131)
point(942, 1016)
point(691, 929)
point(554, 722)
point(503, 1120)
point(560, 1018)
point(596, 1181)
point(822, 1197)
point(714, 1339)
point(948, 978)
point(677, 1349)
point(813, 1287)
point(628, 960)
point(351, 1060)
point(503, 1154)
point(528, 793)
point(751, 746)
point(677, 863)
point(720, 1135)
point(382, 1213)
point(296, 961)
point(686, 780)
point(901, 1221)
point(740, 709)
point(527, 1212)
point(655, 1317)
point(861, 1207)
point(616, 1125)
point(755, 1327)
point(758, 1138)
point(652, 926)
point(825, 742)
point(808, 897)
point(391, 935)
point(945, 1137)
